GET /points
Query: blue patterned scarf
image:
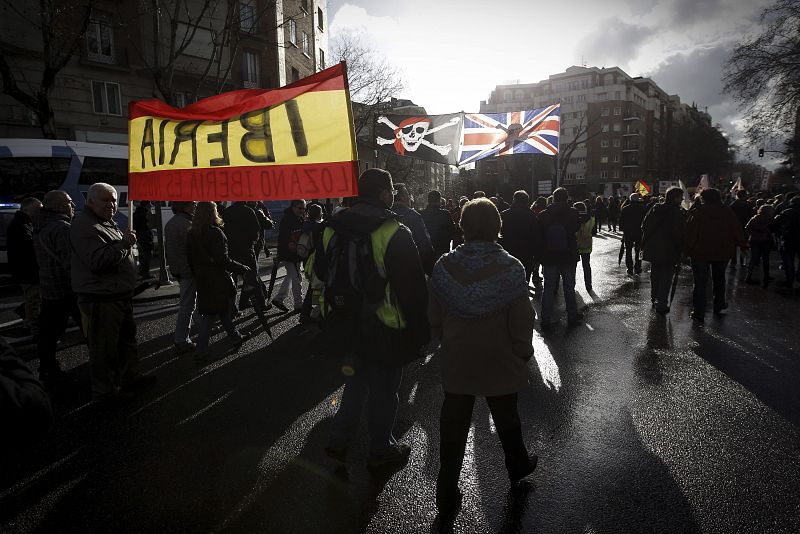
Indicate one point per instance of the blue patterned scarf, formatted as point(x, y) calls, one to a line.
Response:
point(478, 279)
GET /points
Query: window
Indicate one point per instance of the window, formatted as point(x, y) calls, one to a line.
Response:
point(251, 70)
point(581, 98)
point(615, 159)
point(109, 170)
point(603, 174)
point(305, 44)
point(26, 175)
point(295, 74)
point(247, 15)
point(604, 143)
point(319, 19)
point(100, 41)
point(508, 96)
point(617, 127)
point(603, 159)
point(304, 5)
point(180, 100)
point(604, 128)
point(321, 58)
point(617, 111)
point(615, 175)
point(106, 99)
point(616, 143)
point(602, 96)
point(617, 95)
point(293, 32)
point(604, 112)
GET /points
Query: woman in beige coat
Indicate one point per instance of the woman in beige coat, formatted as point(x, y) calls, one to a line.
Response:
point(480, 309)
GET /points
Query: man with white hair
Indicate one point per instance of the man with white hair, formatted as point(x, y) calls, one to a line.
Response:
point(104, 276)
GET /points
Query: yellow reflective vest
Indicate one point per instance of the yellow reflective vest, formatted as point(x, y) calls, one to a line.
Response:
point(388, 311)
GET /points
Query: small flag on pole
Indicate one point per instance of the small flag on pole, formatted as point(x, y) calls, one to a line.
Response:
point(642, 188)
point(686, 203)
point(738, 186)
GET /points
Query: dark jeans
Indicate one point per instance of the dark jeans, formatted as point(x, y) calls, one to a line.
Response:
point(790, 253)
point(252, 286)
point(700, 270)
point(206, 322)
point(453, 430)
point(759, 253)
point(52, 324)
point(587, 271)
point(111, 335)
point(145, 254)
point(633, 245)
point(376, 385)
point(660, 283)
point(552, 275)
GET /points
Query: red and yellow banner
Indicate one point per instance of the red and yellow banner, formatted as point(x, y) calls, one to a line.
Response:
point(642, 188)
point(252, 144)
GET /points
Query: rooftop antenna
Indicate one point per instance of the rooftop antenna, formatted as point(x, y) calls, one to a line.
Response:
point(583, 62)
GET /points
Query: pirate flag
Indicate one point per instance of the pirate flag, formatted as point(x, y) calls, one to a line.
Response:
point(427, 137)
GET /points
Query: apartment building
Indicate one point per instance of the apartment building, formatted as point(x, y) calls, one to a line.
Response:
point(219, 46)
point(614, 131)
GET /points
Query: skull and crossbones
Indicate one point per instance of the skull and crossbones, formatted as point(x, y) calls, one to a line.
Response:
point(411, 133)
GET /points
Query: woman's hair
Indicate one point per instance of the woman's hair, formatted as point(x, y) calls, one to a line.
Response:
point(480, 220)
point(205, 215)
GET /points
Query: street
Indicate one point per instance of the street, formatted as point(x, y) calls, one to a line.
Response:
point(642, 423)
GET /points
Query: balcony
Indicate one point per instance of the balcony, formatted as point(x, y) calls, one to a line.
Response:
point(629, 133)
point(629, 164)
point(631, 148)
point(632, 118)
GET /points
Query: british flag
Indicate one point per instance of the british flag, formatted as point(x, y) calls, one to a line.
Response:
point(533, 131)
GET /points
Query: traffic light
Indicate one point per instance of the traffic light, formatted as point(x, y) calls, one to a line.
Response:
point(760, 152)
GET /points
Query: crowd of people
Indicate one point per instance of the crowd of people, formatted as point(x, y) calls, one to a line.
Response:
point(383, 281)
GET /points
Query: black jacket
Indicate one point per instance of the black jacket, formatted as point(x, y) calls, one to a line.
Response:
point(243, 231)
point(211, 267)
point(406, 279)
point(520, 234)
point(558, 225)
point(631, 218)
point(21, 254)
point(440, 227)
point(743, 210)
point(662, 234)
point(288, 234)
point(787, 224)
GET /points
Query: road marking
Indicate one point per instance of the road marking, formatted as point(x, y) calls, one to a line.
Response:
point(204, 410)
point(19, 486)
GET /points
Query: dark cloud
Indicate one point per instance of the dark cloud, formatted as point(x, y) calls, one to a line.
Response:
point(690, 12)
point(695, 76)
point(614, 42)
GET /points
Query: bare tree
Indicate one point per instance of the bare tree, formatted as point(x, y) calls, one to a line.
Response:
point(585, 130)
point(372, 79)
point(763, 76)
point(62, 24)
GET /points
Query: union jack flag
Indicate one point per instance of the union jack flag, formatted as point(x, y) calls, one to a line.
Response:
point(534, 131)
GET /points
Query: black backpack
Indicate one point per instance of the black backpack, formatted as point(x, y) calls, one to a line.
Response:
point(354, 288)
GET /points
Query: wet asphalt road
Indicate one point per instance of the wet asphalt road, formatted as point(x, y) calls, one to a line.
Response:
point(642, 424)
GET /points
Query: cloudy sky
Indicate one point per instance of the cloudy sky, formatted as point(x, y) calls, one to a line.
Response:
point(453, 52)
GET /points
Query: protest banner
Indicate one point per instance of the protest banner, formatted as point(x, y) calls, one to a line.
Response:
point(253, 144)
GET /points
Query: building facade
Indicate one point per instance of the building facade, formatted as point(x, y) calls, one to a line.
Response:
point(128, 53)
point(614, 131)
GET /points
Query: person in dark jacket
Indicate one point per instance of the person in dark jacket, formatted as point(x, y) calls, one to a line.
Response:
point(59, 303)
point(22, 259)
point(744, 212)
point(411, 218)
point(613, 213)
point(787, 224)
point(439, 223)
point(176, 236)
point(103, 276)
point(759, 237)
point(144, 237)
point(211, 268)
point(663, 230)
point(600, 213)
point(712, 234)
point(288, 235)
point(379, 343)
point(243, 231)
point(630, 222)
point(558, 225)
point(520, 232)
